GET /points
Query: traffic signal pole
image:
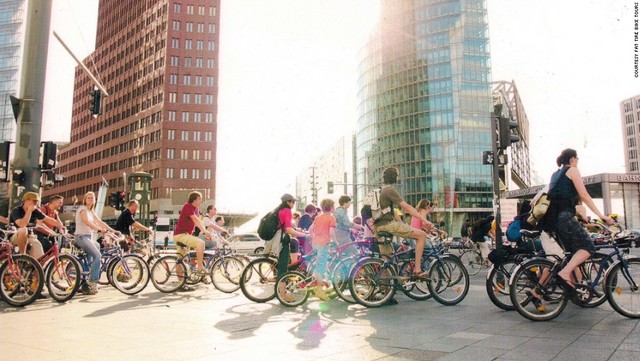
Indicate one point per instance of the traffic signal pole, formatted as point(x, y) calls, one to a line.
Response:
point(496, 177)
point(30, 100)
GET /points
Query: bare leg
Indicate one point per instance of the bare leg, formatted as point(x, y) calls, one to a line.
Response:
point(420, 238)
point(200, 256)
point(577, 259)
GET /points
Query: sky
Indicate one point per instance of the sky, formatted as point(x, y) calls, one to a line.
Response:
point(288, 82)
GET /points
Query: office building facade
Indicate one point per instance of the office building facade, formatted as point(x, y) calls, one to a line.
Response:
point(424, 105)
point(12, 21)
point(630, 114)
point(158, 59)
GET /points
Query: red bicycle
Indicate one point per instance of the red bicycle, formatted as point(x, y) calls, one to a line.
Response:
point(21, 275)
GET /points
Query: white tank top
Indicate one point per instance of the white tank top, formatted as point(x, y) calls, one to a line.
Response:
point(81, 227)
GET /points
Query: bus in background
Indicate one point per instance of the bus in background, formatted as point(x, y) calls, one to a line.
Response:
point(164, 233)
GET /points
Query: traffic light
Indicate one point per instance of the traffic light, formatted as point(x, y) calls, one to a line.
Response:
point(95, 107)
point(330, 187)
point(121, 200)
point(506, 137)
point(114, 199)
point(49, 150)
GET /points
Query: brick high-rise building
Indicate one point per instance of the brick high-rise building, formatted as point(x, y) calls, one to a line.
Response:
point(158, 60)
point(630, 114)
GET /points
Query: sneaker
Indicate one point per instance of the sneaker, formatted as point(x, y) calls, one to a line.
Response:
point(92, 289)
point(321, 295)
point(185, 288)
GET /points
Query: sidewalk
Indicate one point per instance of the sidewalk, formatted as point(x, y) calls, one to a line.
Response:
point(207, 324)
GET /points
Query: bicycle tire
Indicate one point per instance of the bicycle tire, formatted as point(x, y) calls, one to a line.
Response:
point(258, 280)
point(106, 271)
point(415, 289)
point(22, 280)
point(226, 273)
point(623, 297)
point(445, 275)
point(63, 279)
point(130, 274)
point(372, 282)
point(165, 274)
point(497, 285)
point(294, 287)
point(590, 271)
point(472, 261)
point(524, 279)
point(340, 279)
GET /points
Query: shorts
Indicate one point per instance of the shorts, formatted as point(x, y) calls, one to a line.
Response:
point(398, 229)
point(572, 235)
point(190, 241)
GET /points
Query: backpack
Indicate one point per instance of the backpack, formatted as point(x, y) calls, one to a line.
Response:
point(513, 230)
point(539, 209)
point(197, 231)
point(371, 208)
point(269, 225)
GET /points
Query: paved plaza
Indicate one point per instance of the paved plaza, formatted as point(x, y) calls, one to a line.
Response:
point(206, 324)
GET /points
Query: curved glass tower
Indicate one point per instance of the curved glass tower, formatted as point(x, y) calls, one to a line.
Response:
point(424, 104)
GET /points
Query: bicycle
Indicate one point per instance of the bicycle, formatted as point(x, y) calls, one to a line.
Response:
point(541, 275)
point(128, 273)
point(374, 281)
point(471, 257)
point(62, 272)
point(171, 272)
point(22, 277)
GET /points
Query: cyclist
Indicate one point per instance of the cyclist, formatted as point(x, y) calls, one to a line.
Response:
point(126, 220)
point(88, 221)
point(321, 231)
point(190, 219)
point(391, 223)
point(28, 213)
point(215, 231)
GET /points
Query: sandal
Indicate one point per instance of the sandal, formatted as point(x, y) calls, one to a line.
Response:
point(537, 302)
point(567, 284)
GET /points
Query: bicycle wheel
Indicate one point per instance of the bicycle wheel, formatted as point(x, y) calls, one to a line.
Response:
point(417, 290)
point(106, 271)
point(259, 279)
point(168, 274)
point(291, 289)
point(472, 261)
point(373, 282)
point(63, 279)
point(527, 277)
point(340, 278)
point(226, 273)
point(497, 285)
point(22, 280)
point(130, 274)
point(448, 280)
point(622, 287)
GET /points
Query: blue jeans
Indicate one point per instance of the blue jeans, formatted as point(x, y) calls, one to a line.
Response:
point(93, 255)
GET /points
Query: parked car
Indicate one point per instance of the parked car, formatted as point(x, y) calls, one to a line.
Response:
point(247, 243)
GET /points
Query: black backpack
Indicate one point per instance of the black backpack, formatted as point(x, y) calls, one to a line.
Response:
point(197, 231)
point(269, 225)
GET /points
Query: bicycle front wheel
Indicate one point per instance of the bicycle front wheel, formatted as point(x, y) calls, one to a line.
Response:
point(417, 290)
point(448, 280)
point(622, 287)
point(291, 289)
point(533, 276)
point(472, 261)
point(497, 285)
point(22, 280)
point(340, 278)
point(258, 280)
point(168, 274)
point(226, 273)
point(130, 274)
point(63, 278)
point(372, 282)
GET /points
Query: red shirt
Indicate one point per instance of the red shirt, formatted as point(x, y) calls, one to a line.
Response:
point(285, 217)
point(48, 212)
point(185, 223)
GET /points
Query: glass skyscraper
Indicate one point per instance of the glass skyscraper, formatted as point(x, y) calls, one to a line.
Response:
point(424, 105)
point(11, 39)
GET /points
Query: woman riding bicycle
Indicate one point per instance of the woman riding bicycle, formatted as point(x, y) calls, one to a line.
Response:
point(566, 191)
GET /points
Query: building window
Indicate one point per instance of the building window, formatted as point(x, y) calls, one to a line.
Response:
point(175, 43)
point(190, 9)
point(196, 136)
point(187, 44)
point(187, 61)
point(199, 45)
point(198, 79)
point(184, 154)
point(171, 134)
point(174, 60)
point(212, 11)
point(208, 118)
point(186, 98)
point(183, 173)
point(189, 27)
point(176, 25)
point(197, 117)
point(201, 10)
point(208, 136)
point(212, 28)
point(207, 174)
point(210, 81)
point(197, 98)
point(184, 135)
point(195, 173)
point(170, 173)
point(176, 8)
point(186, 79)
point(207, 155)
point(209, 99)
point(185, 117)
point(211, 63)
point(201, 27)
point(198, 62)
point(173, 79)
point(211, 45)
point(196, 154)
point(173, 97)
point(172, 115)
point(171, 153)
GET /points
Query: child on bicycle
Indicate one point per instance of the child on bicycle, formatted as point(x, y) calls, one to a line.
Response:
point(321, 233)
